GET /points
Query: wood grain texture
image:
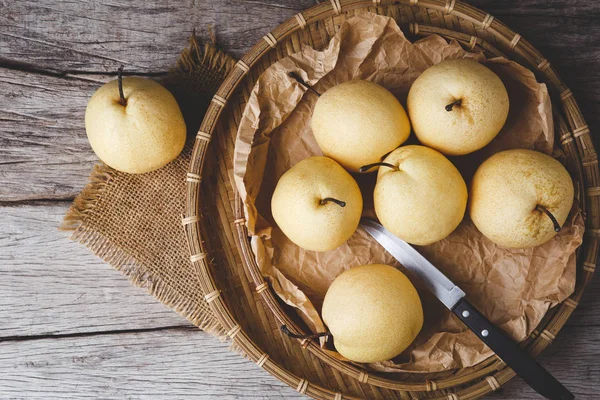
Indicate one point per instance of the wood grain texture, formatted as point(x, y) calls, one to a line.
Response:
point(61, 308)
point(186, 363)
point(44, 114)
point(576, 368)
point(52, 286)
point(169, 364)
point(144, 36)
point(44, 151)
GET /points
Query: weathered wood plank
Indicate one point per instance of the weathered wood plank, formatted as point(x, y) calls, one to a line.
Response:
point(144, 36)
point(168, 364)
point(50, 285)
point(561, 8)
point(182, 363)
point(44, 155)
point(99, 36)
point(572, 359)
point(44, 152)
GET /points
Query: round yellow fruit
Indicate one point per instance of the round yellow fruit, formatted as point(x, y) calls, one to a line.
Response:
point(373, 313)
point(508, 192)
point(358, 122)
point(317, 204)
point(141, 136)
point(457, 106)
point(423, 198)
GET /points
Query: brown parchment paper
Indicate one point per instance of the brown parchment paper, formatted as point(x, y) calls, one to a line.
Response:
point(514, 288)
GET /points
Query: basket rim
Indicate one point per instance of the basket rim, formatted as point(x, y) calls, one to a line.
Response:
point(575, 138)
point(537, 341)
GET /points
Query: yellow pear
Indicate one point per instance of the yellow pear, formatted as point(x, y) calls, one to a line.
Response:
point(359, 122)
point(139, 133)
point(420, 196)
point(317, 204)
point(373, 313)
point(457, 106)
point(520, 198)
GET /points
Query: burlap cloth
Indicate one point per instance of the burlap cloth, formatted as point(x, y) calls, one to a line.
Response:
point(133, 222)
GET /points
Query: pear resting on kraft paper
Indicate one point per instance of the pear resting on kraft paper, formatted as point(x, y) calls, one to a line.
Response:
point(514, 288)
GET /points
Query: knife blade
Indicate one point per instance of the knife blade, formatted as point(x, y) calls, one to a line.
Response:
point(452, 297)
point(442, 287)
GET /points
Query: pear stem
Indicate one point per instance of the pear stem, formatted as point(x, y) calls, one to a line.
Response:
point(367, 167)
point(336, 201)
point(287, 331)
point(122, 100)
point(454, 103)
point(301, 81)
point(549, 214)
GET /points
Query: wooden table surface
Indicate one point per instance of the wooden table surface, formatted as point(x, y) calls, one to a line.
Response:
point(71, 327)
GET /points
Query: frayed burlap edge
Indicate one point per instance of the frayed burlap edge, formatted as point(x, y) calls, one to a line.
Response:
point(84, 204)
point(210, 57)
point(125, 263)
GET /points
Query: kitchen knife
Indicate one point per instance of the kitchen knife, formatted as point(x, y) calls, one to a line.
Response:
point(452, 297)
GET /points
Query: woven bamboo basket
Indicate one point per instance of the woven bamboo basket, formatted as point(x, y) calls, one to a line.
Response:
point(214, 222)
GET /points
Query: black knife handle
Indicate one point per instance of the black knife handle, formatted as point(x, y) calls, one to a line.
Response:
point(511, 353)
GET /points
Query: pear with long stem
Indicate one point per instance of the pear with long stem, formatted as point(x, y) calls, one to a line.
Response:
point(419, 195)
point(555, 223)
point(520, 198)
point(134, 125)
point(317, 204)
point(122, 99)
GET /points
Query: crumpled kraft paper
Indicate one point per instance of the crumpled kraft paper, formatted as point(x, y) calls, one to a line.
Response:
point(513, 288)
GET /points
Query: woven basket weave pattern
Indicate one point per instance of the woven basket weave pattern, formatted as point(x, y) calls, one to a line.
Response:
point(222, 214)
